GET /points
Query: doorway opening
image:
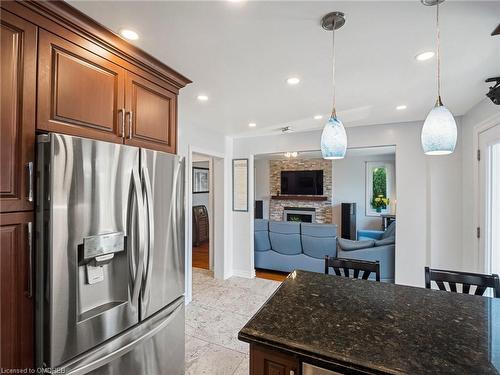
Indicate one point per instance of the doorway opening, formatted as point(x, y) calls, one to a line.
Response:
point(202, 211)
point(202, 208)
point(205, 245)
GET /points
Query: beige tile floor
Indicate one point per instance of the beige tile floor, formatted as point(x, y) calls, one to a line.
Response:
point(219, 309)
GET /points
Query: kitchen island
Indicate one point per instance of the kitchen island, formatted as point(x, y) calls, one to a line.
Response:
point(352, 326)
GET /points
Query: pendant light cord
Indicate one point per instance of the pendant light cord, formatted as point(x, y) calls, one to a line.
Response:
point(438, 56)
point(334, 112)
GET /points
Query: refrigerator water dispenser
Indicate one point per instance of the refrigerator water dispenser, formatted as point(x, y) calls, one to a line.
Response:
point(98, 251)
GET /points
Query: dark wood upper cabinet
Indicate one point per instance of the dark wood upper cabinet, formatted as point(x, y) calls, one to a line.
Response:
point(79, 93)
point(17, 112)
point(151, 118)
point(61, 71)
point(16, 290)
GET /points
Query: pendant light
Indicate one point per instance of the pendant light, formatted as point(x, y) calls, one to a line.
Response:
point(439, 133)
point(333, 138)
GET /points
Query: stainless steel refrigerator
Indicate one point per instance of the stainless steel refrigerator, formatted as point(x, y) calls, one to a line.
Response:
point(110, 258)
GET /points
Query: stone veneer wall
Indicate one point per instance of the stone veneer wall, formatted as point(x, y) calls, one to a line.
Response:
point(323, 208)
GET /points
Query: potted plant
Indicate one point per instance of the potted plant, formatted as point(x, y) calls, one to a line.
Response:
point(379, 203)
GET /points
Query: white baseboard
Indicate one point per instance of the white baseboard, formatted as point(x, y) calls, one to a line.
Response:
point(249, 274)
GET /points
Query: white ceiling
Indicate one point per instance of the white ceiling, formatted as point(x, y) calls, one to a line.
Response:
point(389, 151)
point(240, 54)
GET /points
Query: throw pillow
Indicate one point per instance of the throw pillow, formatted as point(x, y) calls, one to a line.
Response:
point(348, 245)
point(386, 241)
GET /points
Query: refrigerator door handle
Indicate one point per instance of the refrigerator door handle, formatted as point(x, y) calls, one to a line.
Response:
point(140, 235)
point(151, 240)
point(174, 212)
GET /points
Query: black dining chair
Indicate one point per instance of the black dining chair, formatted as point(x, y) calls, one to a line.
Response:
point(466, 279)
point(357, 266)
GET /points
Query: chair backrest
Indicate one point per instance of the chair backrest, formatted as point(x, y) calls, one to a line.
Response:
point(357, 266)
point(466, 279)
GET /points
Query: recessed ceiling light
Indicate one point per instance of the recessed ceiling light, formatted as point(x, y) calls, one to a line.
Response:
point(425, 56)
point(401, 107)
point(293, 80)
point(235, 1)
point(129, 34)
point(252, 124)
point(318, 117)
point(202, 98)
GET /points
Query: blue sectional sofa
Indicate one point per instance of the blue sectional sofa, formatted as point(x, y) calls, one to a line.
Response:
point(285, 246)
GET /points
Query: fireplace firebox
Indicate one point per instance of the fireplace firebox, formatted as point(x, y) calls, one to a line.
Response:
point(300, 214)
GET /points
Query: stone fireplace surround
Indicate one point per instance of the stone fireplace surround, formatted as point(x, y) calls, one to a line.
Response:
point(323, 209)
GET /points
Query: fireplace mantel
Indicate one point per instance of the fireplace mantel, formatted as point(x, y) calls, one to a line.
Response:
point(299, 197)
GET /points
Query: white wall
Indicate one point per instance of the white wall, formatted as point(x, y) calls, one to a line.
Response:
point(484, 113)
point(199, 138)
point(349, 185)
point(262, 185)
point(428, 189)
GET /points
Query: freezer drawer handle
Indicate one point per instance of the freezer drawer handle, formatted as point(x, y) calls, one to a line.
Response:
point(96, 359)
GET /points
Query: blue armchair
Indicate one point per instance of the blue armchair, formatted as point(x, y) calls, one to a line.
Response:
point(377, 234)
point(373, 245)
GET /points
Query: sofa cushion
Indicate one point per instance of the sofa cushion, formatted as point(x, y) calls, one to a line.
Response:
point(348, 245)
point(319, 240)
point(271, 260)
point(386, 241)
point(285, 237)
point(390, 231)
point(261, 235)
point(261, 224)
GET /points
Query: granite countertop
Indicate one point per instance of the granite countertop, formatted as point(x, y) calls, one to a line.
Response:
point(381, 327)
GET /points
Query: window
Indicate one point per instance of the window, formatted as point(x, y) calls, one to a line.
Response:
point(380, 191)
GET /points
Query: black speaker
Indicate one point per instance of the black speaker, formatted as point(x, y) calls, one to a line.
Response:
point(349, 221)
point(259, 212)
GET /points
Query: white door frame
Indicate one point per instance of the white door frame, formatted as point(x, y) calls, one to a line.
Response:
point(216, 229)
point(486, 197)
point(478, 129)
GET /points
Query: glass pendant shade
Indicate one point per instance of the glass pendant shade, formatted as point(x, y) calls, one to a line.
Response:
point(333, 140)
point(439, 134)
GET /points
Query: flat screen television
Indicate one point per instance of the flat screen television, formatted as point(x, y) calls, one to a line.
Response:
point(302, 182)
